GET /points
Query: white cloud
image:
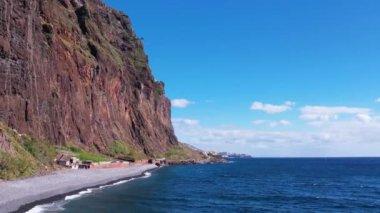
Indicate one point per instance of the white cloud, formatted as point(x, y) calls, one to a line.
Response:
point(272, 123)
point(285, 122)
point(364, 118)
point(181, 103)
point(337, 138)
point(324, 113)
point(272, 109)
point(259, 122)
point(378, 100)
point(183, 121)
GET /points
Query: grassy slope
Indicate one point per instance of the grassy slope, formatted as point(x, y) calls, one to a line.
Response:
point(122, 150)
point(182, 153)
point(26, 156)
point(118, 150)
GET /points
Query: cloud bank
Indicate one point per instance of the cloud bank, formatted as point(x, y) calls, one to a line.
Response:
point(335, 139)
point(272, 109)
point(272, 123)
point(324, 113)
point(181, 103)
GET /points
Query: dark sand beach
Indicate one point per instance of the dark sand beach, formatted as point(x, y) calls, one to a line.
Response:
point(16, 194)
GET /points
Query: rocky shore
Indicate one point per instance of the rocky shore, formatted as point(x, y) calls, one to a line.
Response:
point(190, 162)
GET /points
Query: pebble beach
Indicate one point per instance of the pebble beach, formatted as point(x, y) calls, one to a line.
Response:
point(19, 193)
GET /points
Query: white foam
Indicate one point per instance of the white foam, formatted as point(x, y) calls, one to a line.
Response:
point(36, 209)
point(120, 182)
point(102, 187)
point(51, 207)
point(72, 197)
point(80, 194)
point(58, 206)
point(147, 174)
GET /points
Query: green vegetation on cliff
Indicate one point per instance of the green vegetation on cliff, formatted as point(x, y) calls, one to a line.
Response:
point(182, 153)
point(41, 151)
point(82, 154)
point(122, 150)
point(21, 155)
point(90, 156)
point(117, 150)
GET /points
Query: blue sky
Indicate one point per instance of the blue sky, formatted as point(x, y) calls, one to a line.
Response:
point(231, 63)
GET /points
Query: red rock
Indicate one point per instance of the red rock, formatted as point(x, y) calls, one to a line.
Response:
point(75, 72)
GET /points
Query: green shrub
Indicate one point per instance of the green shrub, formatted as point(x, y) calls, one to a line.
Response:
point(12, 167)
point(181, 152)
point(122, 150)
point(118, 148)
point(18, 161)
point(175, 153)
point(75, 149)
point(83, 155)
point(92, 157)
point(158, 91)
point(43, 152)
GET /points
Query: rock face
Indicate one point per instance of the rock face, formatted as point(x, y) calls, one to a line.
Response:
point(74, 72)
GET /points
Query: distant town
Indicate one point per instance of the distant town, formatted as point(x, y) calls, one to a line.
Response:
point(219, 154)
point(234, 155)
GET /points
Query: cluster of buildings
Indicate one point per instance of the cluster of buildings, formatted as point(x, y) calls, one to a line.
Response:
point(233, 155)
point(67, 161)
point(75, 163)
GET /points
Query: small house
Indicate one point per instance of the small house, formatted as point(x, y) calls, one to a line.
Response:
point(68, 161)
point(86, 164)
point(160, 161)
point(63, 160)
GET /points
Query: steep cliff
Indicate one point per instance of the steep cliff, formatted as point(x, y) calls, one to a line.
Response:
point(74, 72)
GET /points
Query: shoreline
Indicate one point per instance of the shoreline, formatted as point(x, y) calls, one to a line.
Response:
point(23, 195)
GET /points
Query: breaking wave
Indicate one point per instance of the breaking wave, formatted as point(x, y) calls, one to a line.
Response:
point(58, 205)
point(147, 174)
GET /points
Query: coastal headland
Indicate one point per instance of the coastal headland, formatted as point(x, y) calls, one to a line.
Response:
point(78, 92)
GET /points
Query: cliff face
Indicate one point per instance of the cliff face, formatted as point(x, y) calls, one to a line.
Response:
point(74, 72)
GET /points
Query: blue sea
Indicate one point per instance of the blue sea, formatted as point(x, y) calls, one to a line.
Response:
point(243, 185)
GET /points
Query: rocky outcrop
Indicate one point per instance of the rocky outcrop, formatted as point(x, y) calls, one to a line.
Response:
point(73, 71)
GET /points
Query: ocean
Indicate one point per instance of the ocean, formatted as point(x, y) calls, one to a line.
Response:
point(242, 185)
